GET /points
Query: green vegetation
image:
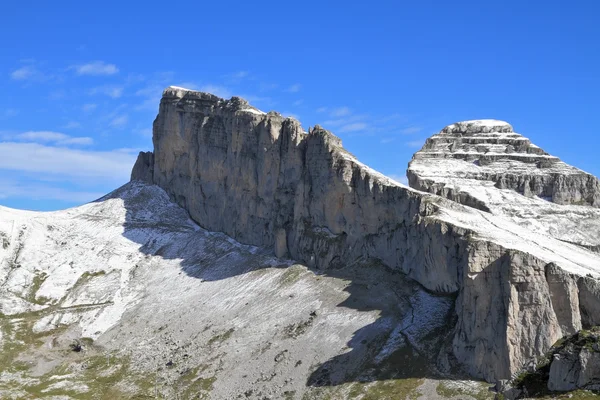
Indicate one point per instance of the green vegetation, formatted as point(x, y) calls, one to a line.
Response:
point(221, 337)
point(450, 389)
point(394, 389)
point(291, 275)
point(38, 280)
point(536, 382)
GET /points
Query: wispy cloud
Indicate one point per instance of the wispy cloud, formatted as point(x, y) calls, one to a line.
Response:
point(79, 141)
point(23, 73)
point(415, 143)
point(56, 138)
point(295, 88)
point(387, 140)
point(89, 107)
point(240, 74)
point(65, 163)
point(108, 90)
point(345, 120)
point(42, 191)
point(30, 73)
point(266, 86)
point(95, 68)
point(298, 102)
point(339, 112)
point(411, 130)
point(72, 125)
point(119, 121)
point(322, 109)
point(9, 113)
point(354, 127)
point(147, 132)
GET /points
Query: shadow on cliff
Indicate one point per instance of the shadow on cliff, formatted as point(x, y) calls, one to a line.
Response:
point(385, 349)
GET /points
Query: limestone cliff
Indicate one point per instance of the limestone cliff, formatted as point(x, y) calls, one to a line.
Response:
point(261, 179)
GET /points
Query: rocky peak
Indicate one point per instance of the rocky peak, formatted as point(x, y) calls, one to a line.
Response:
point(259, 178)
point(478, 126)
point(489, 152)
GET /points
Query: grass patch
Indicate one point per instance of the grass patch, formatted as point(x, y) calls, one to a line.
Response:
point(394, 389)
point(450, 389)
point(37, 282)
point(291, 275)
point(221, 337)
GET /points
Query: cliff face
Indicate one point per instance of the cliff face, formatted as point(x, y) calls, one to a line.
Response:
point(262, 180)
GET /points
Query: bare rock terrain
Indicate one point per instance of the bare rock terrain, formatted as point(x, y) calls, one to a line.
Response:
point(250, 258)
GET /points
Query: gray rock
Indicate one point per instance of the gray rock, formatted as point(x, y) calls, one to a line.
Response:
point(261, 179)
point(143, 169)
point(576, 365)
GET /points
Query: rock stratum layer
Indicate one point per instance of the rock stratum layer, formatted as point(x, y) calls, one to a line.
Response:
point(261, 179)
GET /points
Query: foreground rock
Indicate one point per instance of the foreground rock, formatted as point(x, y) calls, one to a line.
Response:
point(573, 363)
point(260, 178)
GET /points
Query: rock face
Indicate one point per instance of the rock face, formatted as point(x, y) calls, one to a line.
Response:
point(572, 363)
point(486, 165)
point(263, 180)
point(575, 370)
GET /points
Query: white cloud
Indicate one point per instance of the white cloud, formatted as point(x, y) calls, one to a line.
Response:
point(321, 109)
point(415, 143)
point(298, 102)
point(345, 121)
point(152, 94)
point(67, 164)
point(340, 112)
point(42, 136)
point(24, 73)
point(239, 75)
point(387, 140)
point(72, 125)
point(216, 90)
point(295, 88)
point(80, 141)
point(9, 113)
point(89, 107)
point(265, 86)
point(145, 132)
point(112, 91)
point(131, 150)
point(41, 191)
point(119, 121)
point(57, 138)
point(411, 130)
point(95, 68)
point(353, 127)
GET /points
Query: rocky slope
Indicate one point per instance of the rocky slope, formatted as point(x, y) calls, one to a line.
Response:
point(261, 179)
point(127, 298)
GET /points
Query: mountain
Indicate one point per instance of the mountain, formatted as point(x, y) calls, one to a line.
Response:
point(249, 258)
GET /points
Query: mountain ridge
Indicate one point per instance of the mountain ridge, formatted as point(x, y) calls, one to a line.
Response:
point(262, 180)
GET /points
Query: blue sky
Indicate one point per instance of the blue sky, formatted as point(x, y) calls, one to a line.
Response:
point(80, 82)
